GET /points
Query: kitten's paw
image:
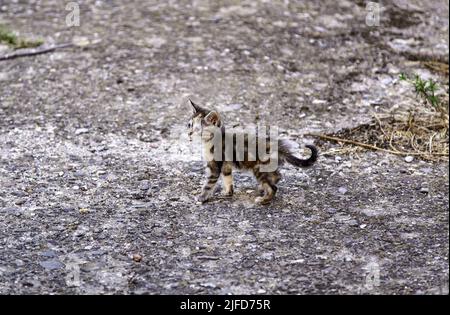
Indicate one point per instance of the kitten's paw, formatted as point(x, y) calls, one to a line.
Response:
point(228, 193)
point(202, 199)
point(262, 201)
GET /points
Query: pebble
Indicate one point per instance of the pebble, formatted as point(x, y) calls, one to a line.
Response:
point(81, 131)
point(18, 193)
point(80, 41)
point(19, 263)
point(78, 173)
point(409, 159)
point(137, 258)
point(84, 210)
point(261, 291)
point(424, 190)
point(342, 190)
point(48, 253)
point(20, 202)
point(52, 264)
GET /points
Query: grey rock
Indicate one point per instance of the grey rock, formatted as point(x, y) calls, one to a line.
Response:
point(81, 131)
point(48, 253)
point(52, 264)
point(424, 190)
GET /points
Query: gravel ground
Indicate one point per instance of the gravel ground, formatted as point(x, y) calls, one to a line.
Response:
point(97, 179)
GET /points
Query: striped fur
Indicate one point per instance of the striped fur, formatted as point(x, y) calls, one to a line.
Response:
point(205, 123)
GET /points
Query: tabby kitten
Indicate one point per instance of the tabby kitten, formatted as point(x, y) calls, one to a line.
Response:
point(207, 124)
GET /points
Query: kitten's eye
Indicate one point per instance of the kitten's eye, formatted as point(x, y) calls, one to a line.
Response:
point(189, 125)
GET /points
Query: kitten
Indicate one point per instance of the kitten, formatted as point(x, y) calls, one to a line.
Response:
point(208, 124)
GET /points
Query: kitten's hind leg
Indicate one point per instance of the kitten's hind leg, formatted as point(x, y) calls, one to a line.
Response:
point(227, 179)
point(267, 181)
point(213, 172)
point(268, 195)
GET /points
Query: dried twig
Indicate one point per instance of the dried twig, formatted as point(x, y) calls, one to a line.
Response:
point(34, 51)
point(369, 146)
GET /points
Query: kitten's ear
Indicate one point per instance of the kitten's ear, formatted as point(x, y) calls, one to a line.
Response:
point(212, 118)
point(195, 107)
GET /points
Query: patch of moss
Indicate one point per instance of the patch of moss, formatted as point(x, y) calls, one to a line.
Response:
point(9, 38)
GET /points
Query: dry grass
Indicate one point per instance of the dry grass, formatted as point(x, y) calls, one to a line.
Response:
point(437, 66)
point(422, 132)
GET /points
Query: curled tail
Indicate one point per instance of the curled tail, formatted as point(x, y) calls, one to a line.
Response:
point(291, 159)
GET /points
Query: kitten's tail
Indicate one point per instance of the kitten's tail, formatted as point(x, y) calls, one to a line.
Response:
point(291, 159)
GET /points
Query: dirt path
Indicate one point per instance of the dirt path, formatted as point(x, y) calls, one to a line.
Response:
point(94, 197)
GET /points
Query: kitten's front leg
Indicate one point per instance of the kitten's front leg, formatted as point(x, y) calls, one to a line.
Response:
point(213, 173)
point(227, 179)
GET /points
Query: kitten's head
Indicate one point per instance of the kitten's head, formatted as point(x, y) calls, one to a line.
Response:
point(203, 122)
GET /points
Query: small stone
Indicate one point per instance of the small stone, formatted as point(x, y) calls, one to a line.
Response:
point(362, 226)
point(48, 253)
point(20, 202)
point(78, 174)
point(52, 264)
point(409, 159)
point(424, 190)
point(80, 41)
point(144, 185)
point(297, 261)
point(84, 210)
point(18, 193)
point(80, 131)
point(137, 258)
point(261, 291)
point(76, 187)
point(342, 190)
